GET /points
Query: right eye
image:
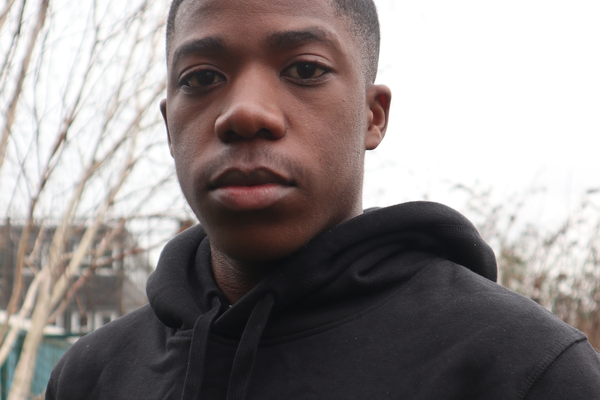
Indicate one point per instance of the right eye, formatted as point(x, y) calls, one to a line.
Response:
point(202, 78)
point(305, 71)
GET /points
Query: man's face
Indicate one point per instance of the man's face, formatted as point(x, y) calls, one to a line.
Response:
point(269, 116)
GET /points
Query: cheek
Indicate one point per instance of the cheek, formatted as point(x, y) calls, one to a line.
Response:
point(190, 140)
point(335, 145)
point(192, 130)
point(341, 138)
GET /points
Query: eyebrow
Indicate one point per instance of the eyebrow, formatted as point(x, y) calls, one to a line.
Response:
point(209, 44)
point(277, 41)
point(287, 39)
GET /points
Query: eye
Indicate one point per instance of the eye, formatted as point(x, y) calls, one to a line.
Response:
point(202, 78)
point(305, 70)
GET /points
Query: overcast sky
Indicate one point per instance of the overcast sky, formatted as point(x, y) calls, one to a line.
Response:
point(504, 93)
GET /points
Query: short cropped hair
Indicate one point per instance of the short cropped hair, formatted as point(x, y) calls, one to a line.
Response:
point(363, 23)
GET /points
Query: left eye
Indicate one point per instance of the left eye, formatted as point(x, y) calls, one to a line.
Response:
point(205, 77)
point(305, 70)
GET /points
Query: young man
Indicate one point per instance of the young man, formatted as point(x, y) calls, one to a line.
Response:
point(287, 289)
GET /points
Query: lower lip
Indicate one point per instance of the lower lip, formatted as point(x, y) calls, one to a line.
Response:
point(247, 198)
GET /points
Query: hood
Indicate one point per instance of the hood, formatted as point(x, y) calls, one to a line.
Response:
point(182, 286)
point(340, 273)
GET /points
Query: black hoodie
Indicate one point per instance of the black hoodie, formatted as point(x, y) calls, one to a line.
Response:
point(398, 303)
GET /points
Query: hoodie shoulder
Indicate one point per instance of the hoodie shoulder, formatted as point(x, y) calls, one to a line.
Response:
point(473, 327)
point(105, 355)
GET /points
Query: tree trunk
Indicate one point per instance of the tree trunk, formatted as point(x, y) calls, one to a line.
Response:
point(24, 372)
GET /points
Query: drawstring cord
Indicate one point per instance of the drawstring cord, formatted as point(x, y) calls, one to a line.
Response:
point(196, 359)
point(241, 372)
point(243, 362)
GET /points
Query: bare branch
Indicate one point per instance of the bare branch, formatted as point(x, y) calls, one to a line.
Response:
point(103, 247)
point(4, 13)
point(9, 116)
point(13, 45)
point(24, 312)
point(61, 285)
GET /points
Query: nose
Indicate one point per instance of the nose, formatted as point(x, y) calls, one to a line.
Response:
point(251, 109)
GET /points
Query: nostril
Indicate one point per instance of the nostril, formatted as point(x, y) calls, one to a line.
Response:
point(229, 136)
point(265, 133)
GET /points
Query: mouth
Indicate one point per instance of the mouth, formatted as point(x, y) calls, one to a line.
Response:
point(254, 177)
point(257, 189)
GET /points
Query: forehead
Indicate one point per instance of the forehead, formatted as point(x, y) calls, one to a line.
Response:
point(254, 18)
point(206, 10)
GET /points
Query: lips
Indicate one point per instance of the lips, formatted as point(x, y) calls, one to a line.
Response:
point(256, 189)
point(254, 177)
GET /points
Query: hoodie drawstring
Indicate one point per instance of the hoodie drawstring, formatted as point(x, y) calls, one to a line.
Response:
point(241, 372)
point(243, 362)
point(196, 359)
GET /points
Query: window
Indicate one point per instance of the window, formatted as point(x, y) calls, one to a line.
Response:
point(80, 323)
point(102, 318)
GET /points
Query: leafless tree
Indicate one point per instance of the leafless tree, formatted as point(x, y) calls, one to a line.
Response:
point(82, 144)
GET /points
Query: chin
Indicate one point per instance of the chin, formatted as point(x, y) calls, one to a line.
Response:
point(253, 245)
point(270, 235)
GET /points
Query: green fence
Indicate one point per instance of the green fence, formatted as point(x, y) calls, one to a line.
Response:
point(51, 349)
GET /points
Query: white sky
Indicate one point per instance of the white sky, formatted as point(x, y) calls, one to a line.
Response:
point(506, 93)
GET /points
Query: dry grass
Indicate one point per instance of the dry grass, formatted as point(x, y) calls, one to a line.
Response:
point(558, 267)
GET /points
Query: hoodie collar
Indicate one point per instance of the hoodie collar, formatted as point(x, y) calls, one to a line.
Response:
point(183, 286)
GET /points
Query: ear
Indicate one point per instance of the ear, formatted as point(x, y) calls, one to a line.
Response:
point(378, 101)
point(163, 111)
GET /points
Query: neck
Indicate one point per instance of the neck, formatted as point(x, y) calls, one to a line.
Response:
point(236, 278)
